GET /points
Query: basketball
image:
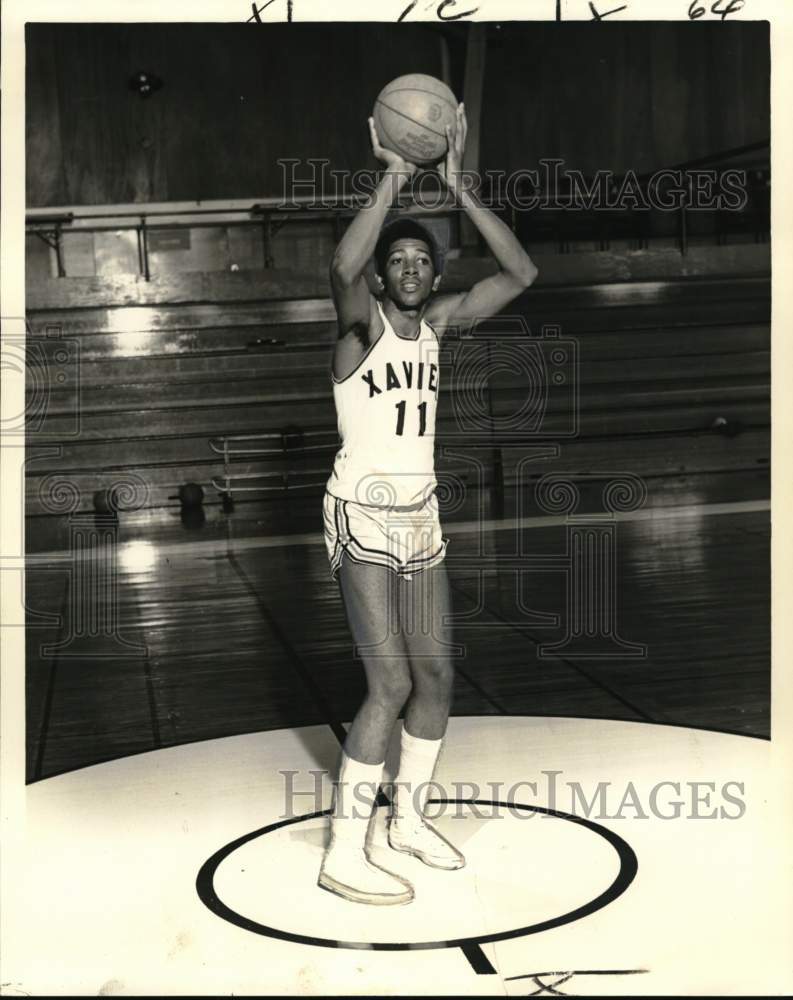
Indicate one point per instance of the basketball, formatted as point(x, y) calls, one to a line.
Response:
point(411, 114)
point(103, 502)
point(191, 494)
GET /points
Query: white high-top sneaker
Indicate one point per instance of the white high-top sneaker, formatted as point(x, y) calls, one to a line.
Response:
point(414, 835)
point(346, 870)
point(349, 873)
point(408, 830)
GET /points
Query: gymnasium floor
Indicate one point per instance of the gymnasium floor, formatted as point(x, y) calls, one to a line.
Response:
point(156, 751)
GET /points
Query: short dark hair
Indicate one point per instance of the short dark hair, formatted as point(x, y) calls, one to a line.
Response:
point(405, 229)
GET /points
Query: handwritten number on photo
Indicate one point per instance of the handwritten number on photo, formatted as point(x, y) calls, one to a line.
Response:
point(257, 10)
point(598, 16)
point(440, 13)
point(444, 10)
point(721, 7)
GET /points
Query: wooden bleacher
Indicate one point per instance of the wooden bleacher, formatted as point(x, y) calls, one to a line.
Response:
point(668, 346)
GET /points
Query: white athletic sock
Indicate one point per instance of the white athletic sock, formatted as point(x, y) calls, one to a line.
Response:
point(354, 796)
point(417, 761)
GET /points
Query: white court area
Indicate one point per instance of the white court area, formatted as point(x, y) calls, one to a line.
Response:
point(110, 903)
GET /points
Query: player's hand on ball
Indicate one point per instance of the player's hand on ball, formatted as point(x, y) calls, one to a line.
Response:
point(391, 159)
point(452, 168)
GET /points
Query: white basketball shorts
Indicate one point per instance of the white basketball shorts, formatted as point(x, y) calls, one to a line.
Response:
point(404, 541)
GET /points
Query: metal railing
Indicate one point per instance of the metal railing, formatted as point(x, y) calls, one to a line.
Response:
point(292, 441)
point(270, 214)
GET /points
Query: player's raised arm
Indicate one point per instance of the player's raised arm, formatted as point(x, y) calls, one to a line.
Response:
point(517, 271)
point(350, 291)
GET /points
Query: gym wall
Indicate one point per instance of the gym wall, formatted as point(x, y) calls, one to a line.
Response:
point(236, 98)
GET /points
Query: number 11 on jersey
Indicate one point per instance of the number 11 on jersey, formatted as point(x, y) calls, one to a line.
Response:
point(400, 427)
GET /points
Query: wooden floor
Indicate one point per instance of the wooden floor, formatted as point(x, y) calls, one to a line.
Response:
point(234, 625)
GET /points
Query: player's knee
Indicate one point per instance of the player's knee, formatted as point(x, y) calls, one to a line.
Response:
point(437, 671)
point(391, 690)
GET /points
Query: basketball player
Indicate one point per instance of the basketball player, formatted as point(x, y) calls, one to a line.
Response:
point(381, 515)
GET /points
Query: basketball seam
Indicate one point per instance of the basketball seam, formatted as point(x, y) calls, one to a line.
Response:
point(413, 120)
point(418, 90)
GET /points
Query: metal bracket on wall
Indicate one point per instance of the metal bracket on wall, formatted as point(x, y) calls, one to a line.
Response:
point(143, 249)
point(684, 220)
point(267, 240)
point(270, 228)
point(50, 233)
point(52, 237)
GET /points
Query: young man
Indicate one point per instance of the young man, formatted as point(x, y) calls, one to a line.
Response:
point(381, 516)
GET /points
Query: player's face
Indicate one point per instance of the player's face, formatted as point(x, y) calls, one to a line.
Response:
point(409, 273)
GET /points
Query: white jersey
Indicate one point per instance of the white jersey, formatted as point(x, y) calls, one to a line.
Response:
point(386, 417)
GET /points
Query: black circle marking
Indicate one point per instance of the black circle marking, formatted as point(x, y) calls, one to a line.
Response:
point(629, 865)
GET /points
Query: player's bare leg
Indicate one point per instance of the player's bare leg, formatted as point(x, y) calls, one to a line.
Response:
point(425, 609)
point(370, 600)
